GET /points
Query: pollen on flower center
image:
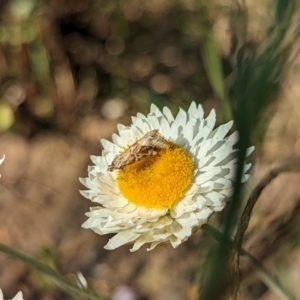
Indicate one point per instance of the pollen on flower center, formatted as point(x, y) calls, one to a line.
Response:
point(157, 181)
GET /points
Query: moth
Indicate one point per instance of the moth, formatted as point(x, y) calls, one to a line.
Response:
point(150, 144)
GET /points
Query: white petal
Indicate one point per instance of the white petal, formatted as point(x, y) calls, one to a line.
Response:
point(117, 140)
point(175, 242)
point(250, 150)
point(180, 119)
point(221, 131)
point(19, 296)
point(141, 116)
point(182, 207)
point(245, 177)
point(165, 128)
point(247, 167)
point(211, 119)
point(138, 244)
point(188, 220)
point(110, 147)
point(233, 139)
point(128, 137)
point(148, 214)
point(168, 114)
point(100, 162)
point(154, 109)
point(120, 239)
point(200, 112)
point(192, 111)
point(204, 214)
point(200, 201)
point(120, 127)
point(153, 245)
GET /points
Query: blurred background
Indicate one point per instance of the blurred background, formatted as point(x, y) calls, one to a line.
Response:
point(70, 71)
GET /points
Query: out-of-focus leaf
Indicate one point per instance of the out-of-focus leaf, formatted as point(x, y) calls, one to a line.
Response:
point(213, 66)
point(6, 116)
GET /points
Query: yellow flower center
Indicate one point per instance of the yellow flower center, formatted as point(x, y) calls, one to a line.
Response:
point(157, 181)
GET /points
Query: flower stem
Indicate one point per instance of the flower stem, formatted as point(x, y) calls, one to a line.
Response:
point(63, 283)
point(268, 279)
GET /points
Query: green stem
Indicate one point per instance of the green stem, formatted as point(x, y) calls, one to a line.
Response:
point(59, 280)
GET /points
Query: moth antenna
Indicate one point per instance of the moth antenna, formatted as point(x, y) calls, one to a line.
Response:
point(104, 152)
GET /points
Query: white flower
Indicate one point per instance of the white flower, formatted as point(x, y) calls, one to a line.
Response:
point(1, 161)
point(162, 197)
point(19, 296)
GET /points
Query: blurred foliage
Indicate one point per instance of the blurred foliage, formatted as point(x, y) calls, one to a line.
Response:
point(259, 70)
point(60, 61)
point(63, 61)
